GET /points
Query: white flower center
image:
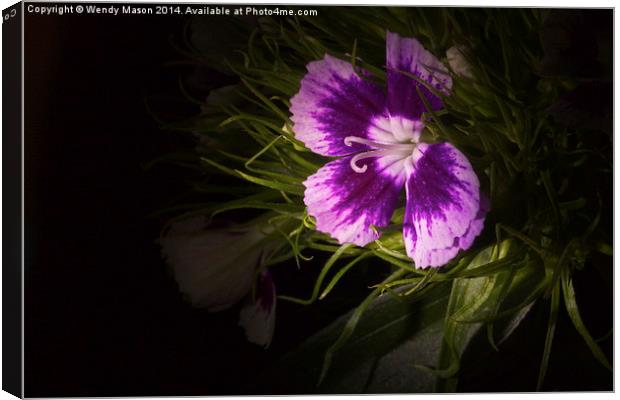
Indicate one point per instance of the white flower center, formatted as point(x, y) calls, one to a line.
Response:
point(380, 149)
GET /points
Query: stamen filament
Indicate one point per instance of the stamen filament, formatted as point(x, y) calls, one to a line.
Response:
point(366, 154)
point(349, 140)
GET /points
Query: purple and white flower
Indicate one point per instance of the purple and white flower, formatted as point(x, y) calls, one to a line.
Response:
point(376, 137)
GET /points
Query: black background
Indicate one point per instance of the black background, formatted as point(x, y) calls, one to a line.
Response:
point(103, 317)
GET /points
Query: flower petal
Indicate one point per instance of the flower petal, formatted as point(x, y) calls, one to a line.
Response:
point(408, 55)
point(258, 317)
point(214, 268)
point(346, 203)
point(333, 103)
point(445, 211)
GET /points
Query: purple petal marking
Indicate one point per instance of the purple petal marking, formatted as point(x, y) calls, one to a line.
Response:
point(266, 292)
point(445, 211)
point(333, 103)
point(408, 55)
point(258, 317)
point(345, 203)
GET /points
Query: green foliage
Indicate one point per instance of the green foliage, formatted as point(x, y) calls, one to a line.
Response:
point(544, 221)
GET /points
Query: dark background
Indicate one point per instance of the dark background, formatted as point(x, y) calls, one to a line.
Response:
point(103, 317)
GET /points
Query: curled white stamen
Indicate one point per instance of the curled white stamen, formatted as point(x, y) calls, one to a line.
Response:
point(366, 154)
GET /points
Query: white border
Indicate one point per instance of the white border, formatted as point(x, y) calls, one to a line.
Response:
point(471, 3)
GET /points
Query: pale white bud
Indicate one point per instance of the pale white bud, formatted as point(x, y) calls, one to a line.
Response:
point(457, 61)
point(214, 268)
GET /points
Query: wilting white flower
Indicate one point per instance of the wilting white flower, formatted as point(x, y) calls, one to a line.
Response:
point(258, 315)
point(457, 61)
point(215, 267)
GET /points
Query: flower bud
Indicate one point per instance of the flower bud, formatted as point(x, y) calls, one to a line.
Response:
point(458, 62)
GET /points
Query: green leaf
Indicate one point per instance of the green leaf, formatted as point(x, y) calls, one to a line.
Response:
point(317, 286)
point(351, 324)
point(471, 300)
point(284, 187)
point(570, 302)
point(389, 338)
point(553, 317)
